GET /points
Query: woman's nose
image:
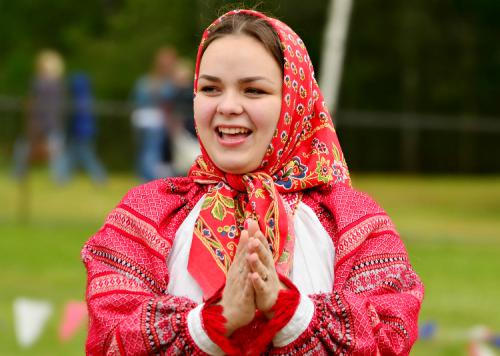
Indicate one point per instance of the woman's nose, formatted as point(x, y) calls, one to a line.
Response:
point(230, 104)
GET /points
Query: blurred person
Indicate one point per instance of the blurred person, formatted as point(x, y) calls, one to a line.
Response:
point(185, 146)
point(265, 248)
point(152, 96)
point(45, 119)
point(183, 98)
point(82, 129)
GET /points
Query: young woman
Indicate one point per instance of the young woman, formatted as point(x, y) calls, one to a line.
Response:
point(265, 247)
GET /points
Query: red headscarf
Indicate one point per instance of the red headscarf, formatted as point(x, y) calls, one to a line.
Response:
point(304, 153)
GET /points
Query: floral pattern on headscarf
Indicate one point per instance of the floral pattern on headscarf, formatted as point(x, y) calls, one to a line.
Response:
point(304, 153)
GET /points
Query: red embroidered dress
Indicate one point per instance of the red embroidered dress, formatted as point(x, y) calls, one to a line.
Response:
point(376, 296)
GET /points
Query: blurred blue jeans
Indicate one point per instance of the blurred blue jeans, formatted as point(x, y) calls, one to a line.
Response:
point(149, 152)
point(81, 152)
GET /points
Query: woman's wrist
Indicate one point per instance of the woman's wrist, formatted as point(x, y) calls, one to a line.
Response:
point(270, 313)
point(229, 324)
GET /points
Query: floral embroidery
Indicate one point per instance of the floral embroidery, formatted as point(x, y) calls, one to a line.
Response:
point(284, 136)
point(300, 109)
point(295, 170)
point(219, 203)
point(227, 230)
point(323, 170)
point(287, 100)
point(302, 74)
point(339, 171)
point(303, 92)
point(320, 147)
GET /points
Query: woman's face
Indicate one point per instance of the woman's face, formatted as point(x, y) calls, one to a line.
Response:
point(238, 102)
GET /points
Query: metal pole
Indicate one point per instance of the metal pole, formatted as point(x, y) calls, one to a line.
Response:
point(333, 50)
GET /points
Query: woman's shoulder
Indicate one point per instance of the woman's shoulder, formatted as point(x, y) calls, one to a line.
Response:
point(344, 202)
point(162, 196)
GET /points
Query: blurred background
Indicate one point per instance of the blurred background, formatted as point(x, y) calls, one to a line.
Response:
point(95, 98)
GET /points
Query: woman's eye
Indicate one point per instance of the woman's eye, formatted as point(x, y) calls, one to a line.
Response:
point(209, 89)
point(254, 91)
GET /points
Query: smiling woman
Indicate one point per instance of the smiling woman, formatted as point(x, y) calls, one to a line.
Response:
point(265, 247)
point(238, 102)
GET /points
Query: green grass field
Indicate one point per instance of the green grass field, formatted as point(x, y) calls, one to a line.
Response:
point(451, 226)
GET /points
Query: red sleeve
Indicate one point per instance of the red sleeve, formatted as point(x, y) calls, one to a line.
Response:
point(130, 311)
point(373, 308)
point(373, 312)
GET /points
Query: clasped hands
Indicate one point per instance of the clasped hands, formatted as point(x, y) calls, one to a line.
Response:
point(252, 282)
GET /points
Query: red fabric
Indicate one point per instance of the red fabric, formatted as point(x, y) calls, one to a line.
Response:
point(373, 306)
point(214, 324)
point(129, 307)
point(304, 153)
point(238, 344)
point(283, 311)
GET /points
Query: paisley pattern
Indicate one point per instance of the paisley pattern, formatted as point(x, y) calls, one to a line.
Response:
point(303, 153)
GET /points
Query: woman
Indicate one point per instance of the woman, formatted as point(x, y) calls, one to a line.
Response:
point(264, 247)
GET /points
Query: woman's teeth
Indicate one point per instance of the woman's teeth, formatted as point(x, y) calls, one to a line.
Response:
point(233, 130)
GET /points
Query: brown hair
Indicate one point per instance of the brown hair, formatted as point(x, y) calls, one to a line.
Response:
point(249, 25)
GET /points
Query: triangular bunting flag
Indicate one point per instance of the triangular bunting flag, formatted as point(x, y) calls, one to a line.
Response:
point(30, 317)
point(75, 314)
point(477, 348)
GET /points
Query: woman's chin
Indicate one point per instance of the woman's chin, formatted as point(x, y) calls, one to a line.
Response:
point(235, 167)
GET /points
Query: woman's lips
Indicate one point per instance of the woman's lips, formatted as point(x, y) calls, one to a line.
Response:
point(232, 136)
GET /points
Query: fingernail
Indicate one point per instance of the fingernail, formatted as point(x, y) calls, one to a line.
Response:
point(245, 225)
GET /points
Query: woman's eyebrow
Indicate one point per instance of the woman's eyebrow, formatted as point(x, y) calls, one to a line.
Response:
point(254, 79)
point(210, 78)
point(244, 80)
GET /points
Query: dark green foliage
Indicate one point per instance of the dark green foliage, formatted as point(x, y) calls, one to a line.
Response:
point(439, 57)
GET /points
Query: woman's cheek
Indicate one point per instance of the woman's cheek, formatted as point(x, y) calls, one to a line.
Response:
point(202, 111)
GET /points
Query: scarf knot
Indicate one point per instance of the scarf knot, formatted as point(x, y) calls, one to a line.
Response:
point(236, 181)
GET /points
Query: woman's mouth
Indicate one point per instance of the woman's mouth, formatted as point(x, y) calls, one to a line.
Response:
point(233, 135)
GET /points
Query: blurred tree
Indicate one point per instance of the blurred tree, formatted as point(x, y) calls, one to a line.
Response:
point(28, 26)
point(422, 56)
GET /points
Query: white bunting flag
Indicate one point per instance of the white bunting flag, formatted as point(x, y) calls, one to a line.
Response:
point(30, 317)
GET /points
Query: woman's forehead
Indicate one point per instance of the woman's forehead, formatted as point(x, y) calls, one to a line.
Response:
point(238, 53)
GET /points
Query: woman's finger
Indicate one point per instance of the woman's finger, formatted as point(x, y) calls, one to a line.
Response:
point(242, 243)
point(257, 266)
point(248, 291)
point(252, 227)
point(258, 284)
point(260, 246)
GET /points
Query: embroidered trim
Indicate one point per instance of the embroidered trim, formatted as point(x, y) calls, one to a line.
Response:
point(122, 264)
point(396, 323)
point(349, 240)
point(112, 283)
point(137, 227)
point(151, 339)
